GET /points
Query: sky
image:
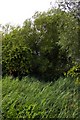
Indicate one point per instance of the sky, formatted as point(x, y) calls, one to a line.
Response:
point(16, 12)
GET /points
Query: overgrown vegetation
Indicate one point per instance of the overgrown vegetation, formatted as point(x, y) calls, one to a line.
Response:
point(31, 98)
point(47, 50)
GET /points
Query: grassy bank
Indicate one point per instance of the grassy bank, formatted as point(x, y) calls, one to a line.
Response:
point(31, 98)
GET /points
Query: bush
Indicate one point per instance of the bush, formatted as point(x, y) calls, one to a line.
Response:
point(16, 56)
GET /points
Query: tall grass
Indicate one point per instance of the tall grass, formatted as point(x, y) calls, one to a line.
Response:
point(31, 98)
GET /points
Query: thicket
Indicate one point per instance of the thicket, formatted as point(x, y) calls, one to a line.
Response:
point(46, 47)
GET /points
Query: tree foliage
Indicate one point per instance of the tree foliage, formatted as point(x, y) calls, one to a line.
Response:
point(43, 48)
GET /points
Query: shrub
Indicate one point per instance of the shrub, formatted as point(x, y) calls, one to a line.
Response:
point(16, 56)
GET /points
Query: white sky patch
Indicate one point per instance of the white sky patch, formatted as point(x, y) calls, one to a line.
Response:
point(17, 11)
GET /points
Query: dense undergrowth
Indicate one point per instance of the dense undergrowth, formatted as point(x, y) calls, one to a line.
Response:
point(49, 49)
point(31, 98)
